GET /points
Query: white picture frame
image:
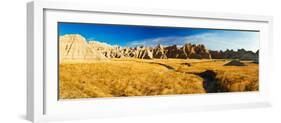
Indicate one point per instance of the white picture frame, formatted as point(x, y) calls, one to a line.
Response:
point(42, 101)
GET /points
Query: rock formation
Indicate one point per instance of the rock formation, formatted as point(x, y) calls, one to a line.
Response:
point(196, 51)
point(107, 50)
point(172, 51)
point(234, 63)
point(75, 47)
point(140, 52)
point(118, 52)
point(146, 53)
point(240, 54)
point(216, 54)
point(159, 52)
point(188, 51)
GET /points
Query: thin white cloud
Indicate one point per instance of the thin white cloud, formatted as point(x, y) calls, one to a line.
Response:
point(171, 40)
point(213, 41)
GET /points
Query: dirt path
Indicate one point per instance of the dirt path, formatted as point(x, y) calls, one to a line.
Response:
point(161, 64)
point(164, 65)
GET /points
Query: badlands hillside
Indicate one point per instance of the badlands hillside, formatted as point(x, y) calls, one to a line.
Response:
point(75, 47)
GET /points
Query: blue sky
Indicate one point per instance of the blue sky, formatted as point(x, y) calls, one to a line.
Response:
point(126, 35)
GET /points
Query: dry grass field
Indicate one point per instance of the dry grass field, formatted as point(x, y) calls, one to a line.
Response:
point(139, 77)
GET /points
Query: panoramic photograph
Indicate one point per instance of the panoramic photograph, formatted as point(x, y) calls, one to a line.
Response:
point(107, 60)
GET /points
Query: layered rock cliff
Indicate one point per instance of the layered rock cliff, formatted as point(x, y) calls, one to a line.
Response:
point(241, 54)
point(75, 47)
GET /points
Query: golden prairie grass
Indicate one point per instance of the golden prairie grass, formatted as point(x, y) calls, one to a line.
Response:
point(138, 77)
point(230, 78)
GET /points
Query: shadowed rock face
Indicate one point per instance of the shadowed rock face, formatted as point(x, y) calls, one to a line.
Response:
point(234, 63)
point(159, 52)
point(75, 47)
point(196, 51)
point(173, 51)
point(188, 51)
point(241, 54)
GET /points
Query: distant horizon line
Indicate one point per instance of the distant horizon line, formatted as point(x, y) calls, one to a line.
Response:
point(87, 40)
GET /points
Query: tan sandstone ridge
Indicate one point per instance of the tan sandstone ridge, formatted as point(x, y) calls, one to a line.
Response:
point(117, 52)
point(74, 47)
